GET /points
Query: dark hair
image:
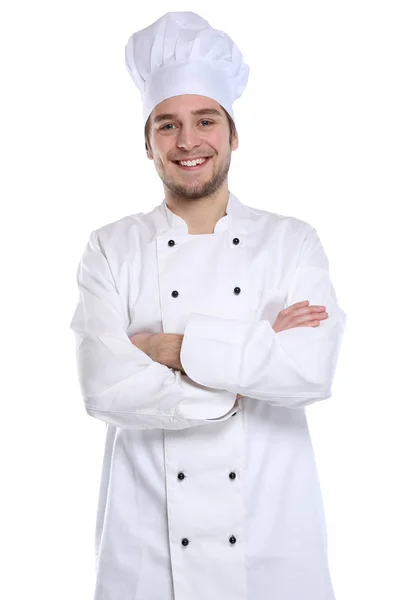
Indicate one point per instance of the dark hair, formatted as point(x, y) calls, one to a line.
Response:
point(232, 129)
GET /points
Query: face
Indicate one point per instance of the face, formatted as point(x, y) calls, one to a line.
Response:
point(187, 127)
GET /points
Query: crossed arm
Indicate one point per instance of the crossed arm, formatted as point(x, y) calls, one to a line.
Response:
point(165, 348)
point(222, 357)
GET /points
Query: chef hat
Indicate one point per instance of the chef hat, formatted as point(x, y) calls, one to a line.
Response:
point(181, 53)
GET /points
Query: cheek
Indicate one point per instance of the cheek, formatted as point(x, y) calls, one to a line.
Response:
point(214, 139)
point(162, 161)
point(161, 150)
point(218, 143)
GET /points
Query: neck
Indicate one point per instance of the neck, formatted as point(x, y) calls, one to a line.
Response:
point(200, 214)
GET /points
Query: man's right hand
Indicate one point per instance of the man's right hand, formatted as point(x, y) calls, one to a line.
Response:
point(298, 315)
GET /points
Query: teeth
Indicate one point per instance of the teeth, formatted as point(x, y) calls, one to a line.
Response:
point(192, 163)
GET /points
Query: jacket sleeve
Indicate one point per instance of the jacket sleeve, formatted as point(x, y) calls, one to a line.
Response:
point(119, 383)
point(291, 368)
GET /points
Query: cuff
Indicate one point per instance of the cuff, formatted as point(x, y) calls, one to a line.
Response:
point(202, 403)
point(211, 352)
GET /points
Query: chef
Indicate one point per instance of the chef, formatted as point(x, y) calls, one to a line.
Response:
point(204, 328)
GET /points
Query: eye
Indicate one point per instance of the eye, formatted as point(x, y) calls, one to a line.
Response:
point(167, 126)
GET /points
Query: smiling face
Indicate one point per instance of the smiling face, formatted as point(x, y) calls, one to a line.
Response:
point(187, 127)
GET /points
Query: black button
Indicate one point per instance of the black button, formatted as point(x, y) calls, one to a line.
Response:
point(232, 475)
point(184, 542)
point(181, 475)
point(236, 241)
point(175, 294)
point(237, 290)
point(233, 414)
point(171, 243)
point(232, 539)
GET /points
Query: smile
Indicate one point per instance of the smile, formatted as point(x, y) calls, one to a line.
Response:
point(196, 167)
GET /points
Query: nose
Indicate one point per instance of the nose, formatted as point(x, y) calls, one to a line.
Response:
point(188, 138)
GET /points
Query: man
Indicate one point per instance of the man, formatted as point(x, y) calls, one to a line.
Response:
point(204, 328)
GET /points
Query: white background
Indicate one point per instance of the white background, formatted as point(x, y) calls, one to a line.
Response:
point(319, 136)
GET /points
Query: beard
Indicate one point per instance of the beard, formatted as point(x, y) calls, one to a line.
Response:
point(197, 189)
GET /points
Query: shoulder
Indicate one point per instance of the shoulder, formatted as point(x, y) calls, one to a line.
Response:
point(278, 224)
point(125, 233)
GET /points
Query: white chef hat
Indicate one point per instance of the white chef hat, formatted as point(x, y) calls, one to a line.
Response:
point(181, 53)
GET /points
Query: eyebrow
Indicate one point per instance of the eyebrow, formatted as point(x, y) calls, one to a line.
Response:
point(199, 112)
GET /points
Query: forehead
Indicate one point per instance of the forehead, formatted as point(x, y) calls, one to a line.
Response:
point(186, 105)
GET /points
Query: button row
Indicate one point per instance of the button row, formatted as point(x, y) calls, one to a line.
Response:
point(235, 241)
point(185, 541)
point(236, 291)
point(232, 475)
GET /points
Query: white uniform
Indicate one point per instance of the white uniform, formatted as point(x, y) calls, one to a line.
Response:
point(199, 500)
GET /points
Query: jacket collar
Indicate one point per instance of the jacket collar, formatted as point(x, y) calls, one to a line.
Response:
point(168, 221)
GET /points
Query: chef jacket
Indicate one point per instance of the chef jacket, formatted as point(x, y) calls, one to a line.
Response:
point(200, 499)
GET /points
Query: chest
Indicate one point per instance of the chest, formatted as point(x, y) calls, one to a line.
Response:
point(233, 276)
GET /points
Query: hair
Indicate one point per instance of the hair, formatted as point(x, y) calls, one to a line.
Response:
point(232, 129)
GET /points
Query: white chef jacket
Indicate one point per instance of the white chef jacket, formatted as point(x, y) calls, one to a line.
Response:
point(201, 500)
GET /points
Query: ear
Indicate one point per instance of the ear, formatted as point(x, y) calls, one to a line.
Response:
point(235, 141)
point(149, 154)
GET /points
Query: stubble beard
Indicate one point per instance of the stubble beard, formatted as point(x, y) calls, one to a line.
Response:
point(199, 190)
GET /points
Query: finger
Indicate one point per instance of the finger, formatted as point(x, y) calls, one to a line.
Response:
point(310, 324)
point(307, 319)
point(314, 309)
point(297, 304)
point(288, 312)
point(312, 312)
point(305, 324)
